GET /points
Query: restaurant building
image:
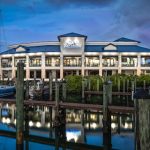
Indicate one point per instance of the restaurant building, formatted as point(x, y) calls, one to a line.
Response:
point(73, 54)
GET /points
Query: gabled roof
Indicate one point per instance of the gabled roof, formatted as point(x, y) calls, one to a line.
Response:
point(120, 48)
point(123, 39)
point(35, 49)
point(72, 34)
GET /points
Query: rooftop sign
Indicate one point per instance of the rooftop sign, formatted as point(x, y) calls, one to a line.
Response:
point(72, 43)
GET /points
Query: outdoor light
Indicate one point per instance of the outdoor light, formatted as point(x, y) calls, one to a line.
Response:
point(113, 126)
point(3, 120)
point(30, 123)
point(8, 120)
point(38, 124)
point(126, 125)
point(7, 105)
point(73, 135)
point(48, 125)
point(94, 125)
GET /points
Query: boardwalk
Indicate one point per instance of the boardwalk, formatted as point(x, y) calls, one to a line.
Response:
point(92, 107)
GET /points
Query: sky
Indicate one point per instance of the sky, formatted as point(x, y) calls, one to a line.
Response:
point(24, 21)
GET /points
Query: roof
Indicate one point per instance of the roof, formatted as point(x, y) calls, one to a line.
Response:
point(35, 49)
point(123, 39)
point(72, 34)
point(88, 48)
point(120, 48)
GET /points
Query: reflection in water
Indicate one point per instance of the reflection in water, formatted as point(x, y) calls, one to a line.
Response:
point(79, 123)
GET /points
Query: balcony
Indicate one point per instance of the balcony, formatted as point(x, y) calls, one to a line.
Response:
point(52, 61)
point(92, 61)
point(72, 62)
point(110, 61)
point(35, 62)
point(145, 61)
point(129, 62)
point(6, 62)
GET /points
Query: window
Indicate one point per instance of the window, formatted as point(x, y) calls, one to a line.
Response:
point(92, 61)
point(109, 61)
point(72, 61)
point(35, 61)
point(145, 61)
point(52, 61)
point(6, 62)
point(129, 61)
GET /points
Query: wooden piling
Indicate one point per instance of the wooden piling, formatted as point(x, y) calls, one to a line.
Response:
point(136, 125)
point(98, 84)
point(83, 89)
point(127, 91)
point(89, 88)
point(34, 83)
point(19, 106)
point(27, 127)
point(64, 90)
point(118, 120)
point(56, 115)
point(50, 87)
point(132, 89)
point(144, 84)
point(42, 89)
point(144, 124)
point(106, 116)
point(57, 95)
point(27, 90)
point(50, 121)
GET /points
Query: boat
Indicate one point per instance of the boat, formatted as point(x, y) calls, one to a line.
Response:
point(6, 90)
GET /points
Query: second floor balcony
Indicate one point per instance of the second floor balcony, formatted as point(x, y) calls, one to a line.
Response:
point(92, 61)
point(6, 62)
point(72, 62)
point(109, 61)
point(35, 62)
point(129, 61)
point(145, 61)
point(52, 61)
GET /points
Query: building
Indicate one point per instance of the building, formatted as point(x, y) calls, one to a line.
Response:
point(73, 54)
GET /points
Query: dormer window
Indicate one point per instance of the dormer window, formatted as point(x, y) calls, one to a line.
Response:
point(110, 47)
point(20, 49)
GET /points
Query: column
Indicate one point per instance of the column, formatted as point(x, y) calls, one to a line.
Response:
point(101, 120)
point(43, 117)
point(27, 67)
point(100, 65)
point(13, 67)
point(53, 74)
point(77, 72)
point(61, 66)
point(43, 66)
point(138, 64)
point(82, 71)
point(13, 113)
point(119, 63)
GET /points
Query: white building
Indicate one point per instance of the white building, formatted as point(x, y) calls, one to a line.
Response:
point(73, 54)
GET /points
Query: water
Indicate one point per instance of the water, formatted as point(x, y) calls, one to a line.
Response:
point(81, 127)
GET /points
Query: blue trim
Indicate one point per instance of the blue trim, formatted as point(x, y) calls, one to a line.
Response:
point(88, 48)
point(126, 40)
point(72, 34)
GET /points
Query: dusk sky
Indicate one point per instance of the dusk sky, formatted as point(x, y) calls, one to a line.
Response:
point(100, 20)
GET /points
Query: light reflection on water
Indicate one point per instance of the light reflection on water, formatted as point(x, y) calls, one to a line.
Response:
point(81, 126)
